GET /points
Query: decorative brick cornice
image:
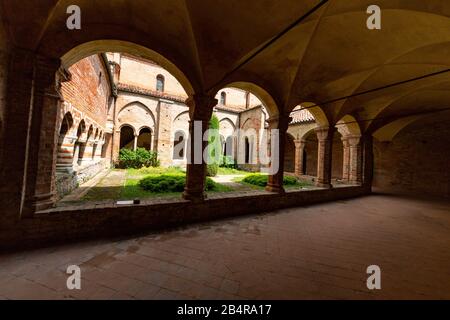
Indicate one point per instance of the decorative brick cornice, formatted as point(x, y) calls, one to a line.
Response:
point(152, 93)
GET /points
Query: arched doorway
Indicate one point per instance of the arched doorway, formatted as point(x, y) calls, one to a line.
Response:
point(144, 139)
point(127, 137)
point(179, 146)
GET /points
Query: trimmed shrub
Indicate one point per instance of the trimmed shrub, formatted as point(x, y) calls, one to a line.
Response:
point(170, 183)
point(211, 170)
point(227, 162)
point(137, 159)
point(261, 180)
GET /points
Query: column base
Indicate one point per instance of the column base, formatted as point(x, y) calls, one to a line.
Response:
point(38, 203)
point(194, 196)
point(324, 185)
point(275, 188)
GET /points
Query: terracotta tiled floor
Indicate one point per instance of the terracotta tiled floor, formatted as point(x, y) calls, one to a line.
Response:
point(318, 251)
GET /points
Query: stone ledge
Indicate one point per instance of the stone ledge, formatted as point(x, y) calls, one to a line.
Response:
point(60, 226)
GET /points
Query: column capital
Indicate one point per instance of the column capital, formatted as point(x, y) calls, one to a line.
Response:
point(353, 140)
point(324, 133)
point(201, 106)
point(300, 143)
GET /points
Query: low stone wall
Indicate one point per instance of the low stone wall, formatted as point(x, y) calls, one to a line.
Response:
point(67, 182)
point(66, 224)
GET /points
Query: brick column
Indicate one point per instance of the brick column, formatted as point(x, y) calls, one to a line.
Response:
point(367, 163)
point(43, 138)
point(299, 160)
point(346, 160)
point(13, 149)
point(324, 157)
point(355, 159)
point(200, 111)
point(275, 181)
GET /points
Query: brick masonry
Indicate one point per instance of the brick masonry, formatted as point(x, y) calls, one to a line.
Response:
point(64, 224)
point(417, 161)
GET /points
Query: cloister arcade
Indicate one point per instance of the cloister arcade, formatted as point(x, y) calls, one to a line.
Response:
point(353, 99)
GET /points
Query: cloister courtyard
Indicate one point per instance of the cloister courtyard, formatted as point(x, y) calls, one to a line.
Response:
point(224, 149)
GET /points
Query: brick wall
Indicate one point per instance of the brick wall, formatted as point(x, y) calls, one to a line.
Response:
point(88, 91)
point(417, 161)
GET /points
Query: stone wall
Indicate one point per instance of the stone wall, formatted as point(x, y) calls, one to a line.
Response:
point(417, 161)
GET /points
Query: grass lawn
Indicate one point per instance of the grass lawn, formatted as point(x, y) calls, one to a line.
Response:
point(123, 184)
point(299, 184)
point(229, 171)
point(128, 187)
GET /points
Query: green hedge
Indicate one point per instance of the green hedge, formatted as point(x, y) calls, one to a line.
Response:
point(261, 180)
point(137, 159)
point(170, 183)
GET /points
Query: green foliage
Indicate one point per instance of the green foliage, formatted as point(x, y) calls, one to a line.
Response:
point(227, 162)
point(170, 183)
point(261, 180)
point(138, 159)
point(214, 146)
point(211, 170)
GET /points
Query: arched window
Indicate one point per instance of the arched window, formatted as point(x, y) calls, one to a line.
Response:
point(179, 145)
point(223, 98)
point(228, 148)
point(247, 100)
point(160, 83)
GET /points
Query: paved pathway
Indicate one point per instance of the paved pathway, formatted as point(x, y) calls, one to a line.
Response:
point(319, 251)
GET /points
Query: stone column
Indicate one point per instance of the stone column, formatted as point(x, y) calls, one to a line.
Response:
point(346, 160)
point(355, 164)
point(324, 158)
point(43, 138)
point(200, 111)
point(367, 164)
point(135, 143)
point(299, 160)
point(275, 181)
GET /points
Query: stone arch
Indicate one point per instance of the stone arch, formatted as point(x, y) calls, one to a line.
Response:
point(64, 161)
point(317, 112)
point(262, 94)
point(141, 116)
point(89, 48)
point(348, 125)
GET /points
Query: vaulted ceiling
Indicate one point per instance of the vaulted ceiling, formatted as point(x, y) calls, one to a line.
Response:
point(329, 54)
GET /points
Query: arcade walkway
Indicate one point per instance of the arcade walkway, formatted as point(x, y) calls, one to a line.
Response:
point(319, 251)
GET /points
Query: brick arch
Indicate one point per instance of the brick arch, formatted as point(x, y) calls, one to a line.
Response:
point(83, 50)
